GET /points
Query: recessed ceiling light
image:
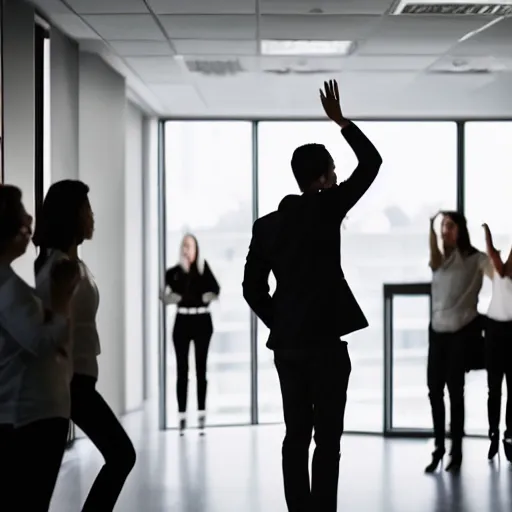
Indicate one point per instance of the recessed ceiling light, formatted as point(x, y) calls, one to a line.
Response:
point(279, 47)
point(455, 7)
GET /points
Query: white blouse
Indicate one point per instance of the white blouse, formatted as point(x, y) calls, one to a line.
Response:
point(85, 339)
point(455, 289)
point(500, 308)
point(33, 383)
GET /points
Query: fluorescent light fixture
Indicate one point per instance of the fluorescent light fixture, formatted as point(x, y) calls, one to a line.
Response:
point(280, 47)
point(455, 7)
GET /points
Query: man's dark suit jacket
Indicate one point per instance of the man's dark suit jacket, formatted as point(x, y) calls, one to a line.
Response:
point(300, 244)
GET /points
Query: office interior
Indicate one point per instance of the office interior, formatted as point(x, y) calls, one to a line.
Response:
point(182, 116)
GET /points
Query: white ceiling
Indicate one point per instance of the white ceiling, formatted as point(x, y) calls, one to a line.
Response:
point(402, 66)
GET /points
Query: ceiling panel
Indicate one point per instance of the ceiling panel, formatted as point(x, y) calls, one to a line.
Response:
point(141, 48)
point(203, 6)
point(215, 47)
point(157, 69)
point(390, 62)
point(421, 47)
point(108, 6)
point(74, 26)
point(51, 6)
point(303, 65)
point(480, 49)
point(431, 27)
point(125, 27)
point(209, 27)
point(328, 7)
point(175, 96)
point(345, 28)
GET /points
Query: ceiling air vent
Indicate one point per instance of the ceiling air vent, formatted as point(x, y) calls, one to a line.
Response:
point(477, 66)
point(215, 67)
point(436, 7)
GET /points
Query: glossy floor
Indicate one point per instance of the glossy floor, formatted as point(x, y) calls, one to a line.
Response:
point(238, 469)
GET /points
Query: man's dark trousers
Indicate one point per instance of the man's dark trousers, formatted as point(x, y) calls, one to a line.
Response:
point(314, 389)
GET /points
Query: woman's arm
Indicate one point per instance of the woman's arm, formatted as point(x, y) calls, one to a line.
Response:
point(507, 267)
point(167, 295)
point(436, 256)
point(492, 252)
point(212, 286)
point(22, 315)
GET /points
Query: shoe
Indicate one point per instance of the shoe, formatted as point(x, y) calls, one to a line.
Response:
point(495, 445)
point(507, 446)
point(182, 423)
point(202, 421)
point(437, 457)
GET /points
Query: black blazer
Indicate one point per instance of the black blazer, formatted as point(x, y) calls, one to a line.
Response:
point(192, 285)
point(300, 244)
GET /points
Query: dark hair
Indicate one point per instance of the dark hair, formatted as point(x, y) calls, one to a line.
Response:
point(59, 223)
point(11, 209)
point(463, 240)
point(310, 162)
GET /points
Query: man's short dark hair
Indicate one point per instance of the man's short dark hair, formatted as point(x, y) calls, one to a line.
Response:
point(310, 162)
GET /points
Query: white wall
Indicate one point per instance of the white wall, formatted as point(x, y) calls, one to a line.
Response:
point(134, 246)
point(95, 137)
point(151, 247)
point(102, 118)
point(64, 106)
point(19, 110)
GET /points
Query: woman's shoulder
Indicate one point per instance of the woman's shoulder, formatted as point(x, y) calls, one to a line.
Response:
point(174, 272)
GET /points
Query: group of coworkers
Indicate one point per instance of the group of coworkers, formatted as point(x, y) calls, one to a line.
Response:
point(49, 346)
point(49, 341)
point(461, 339)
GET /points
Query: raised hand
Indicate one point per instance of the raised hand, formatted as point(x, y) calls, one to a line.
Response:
point(433, 219)
point(488, 238)
point(330, 98)
point(492, 252)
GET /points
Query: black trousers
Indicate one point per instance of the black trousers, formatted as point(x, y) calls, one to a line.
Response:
point(447, 368)
point(187, 328)
point(93, 415)
point(498, 351)
point(29, 464)
point(314, 390)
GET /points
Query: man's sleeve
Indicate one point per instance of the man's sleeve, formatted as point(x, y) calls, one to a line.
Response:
point(255, 285)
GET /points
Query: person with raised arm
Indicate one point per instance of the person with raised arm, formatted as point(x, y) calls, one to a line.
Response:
point(498, 347)
point(312, 306)
point(34, 378)
point(457, 276)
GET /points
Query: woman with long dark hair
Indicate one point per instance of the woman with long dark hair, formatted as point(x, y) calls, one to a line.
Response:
point(457, 275)
point(192, 286)
point(66, 221)
point(498, 345)
point(34, 361)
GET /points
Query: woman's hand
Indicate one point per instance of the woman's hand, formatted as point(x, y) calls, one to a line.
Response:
point(433, 219)
point(208, 297)
point(492, 252)
point(330, 98)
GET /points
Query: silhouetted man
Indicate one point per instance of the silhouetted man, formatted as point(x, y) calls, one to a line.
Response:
point(312, 307)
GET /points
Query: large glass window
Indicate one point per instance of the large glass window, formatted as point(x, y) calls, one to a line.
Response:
point(384, 240)
point(488, 183)
point(209, 193)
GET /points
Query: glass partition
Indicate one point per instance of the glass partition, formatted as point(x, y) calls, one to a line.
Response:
point(384, 238)
point(209, 193)
point(488, 183)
